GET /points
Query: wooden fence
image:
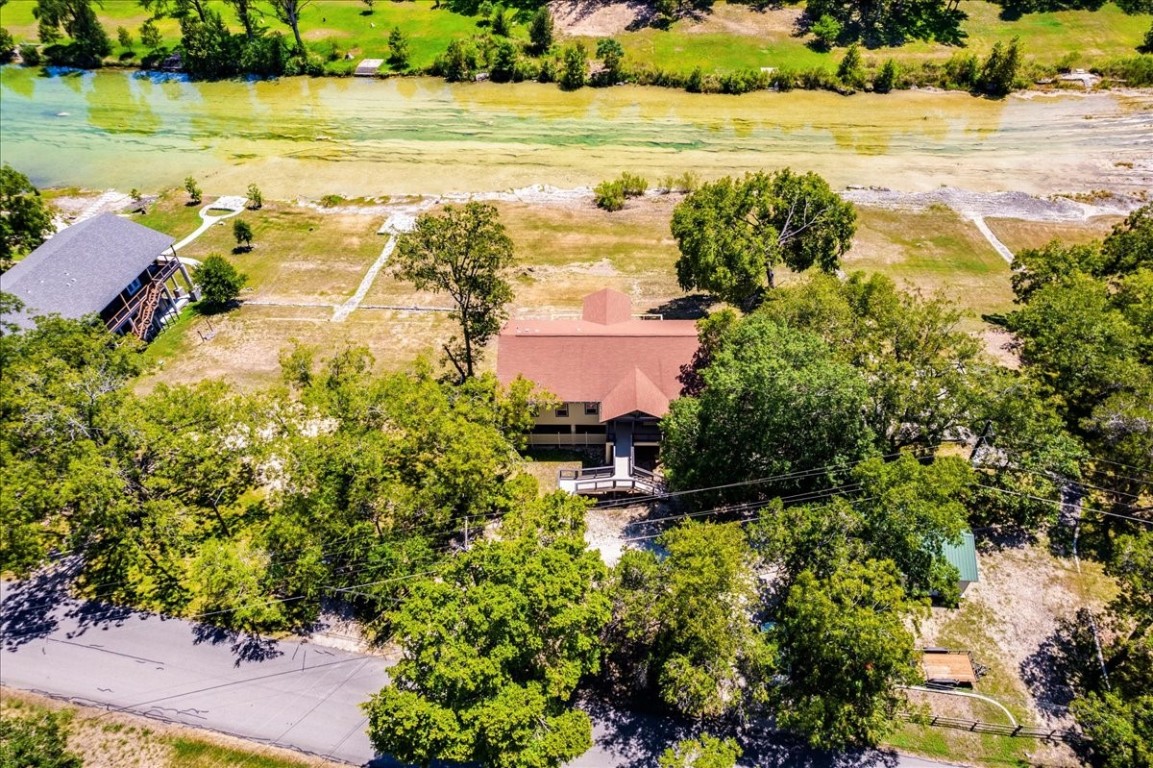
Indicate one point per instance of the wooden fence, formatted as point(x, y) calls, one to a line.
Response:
point(978, 726)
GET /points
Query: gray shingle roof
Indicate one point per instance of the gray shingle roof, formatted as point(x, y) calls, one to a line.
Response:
point(81, 269)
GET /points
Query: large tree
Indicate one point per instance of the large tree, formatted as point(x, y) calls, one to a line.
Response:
point(775, 400)
point(288, 11)
point(681, 628)
point(923, 372)
point(78, 20)
point(463, 252)
point(844, 645)
point(25, 219)
point(494, 648)
point(890, 22)
point(733, 233)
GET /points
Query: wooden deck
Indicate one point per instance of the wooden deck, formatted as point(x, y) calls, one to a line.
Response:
point(948, 667)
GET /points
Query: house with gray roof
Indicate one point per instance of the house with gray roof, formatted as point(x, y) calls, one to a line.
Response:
point(108, 266)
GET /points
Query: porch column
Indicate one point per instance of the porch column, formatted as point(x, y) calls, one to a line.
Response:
point(187, 279)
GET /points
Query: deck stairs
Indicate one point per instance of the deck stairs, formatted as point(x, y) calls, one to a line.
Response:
point(143, 321)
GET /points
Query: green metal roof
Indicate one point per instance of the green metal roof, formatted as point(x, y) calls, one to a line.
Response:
point(963, 556)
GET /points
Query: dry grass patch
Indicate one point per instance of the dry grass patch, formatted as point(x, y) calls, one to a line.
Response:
point(1018, 235)
point(936, 251)
point(1006, 618)
point(246, 343)
point(299, 254)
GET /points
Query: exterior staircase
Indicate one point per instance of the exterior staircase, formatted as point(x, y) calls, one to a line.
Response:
point(143, 322)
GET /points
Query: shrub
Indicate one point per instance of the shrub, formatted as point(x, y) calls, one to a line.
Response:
point(633, 185)
point(609, 195)
point(826, 31)
point(1147, 45)
point(150, 35)
point(1136, 71)
point(503, 66)
point(219, 282)
point(30, 55)
point(458, 63)
point(999, 73)
point(7, 45)
point(851, 70)
point(961, 71)
point(36, 739)
point(242, 231)
point(193, 190)
point(541, 31)
point(331, 201)
point(744, 81)
point(886, 79)
point(255, 197)
point(695, 82)
point(124, 37)
point(783, 79)
point(574, 70)
point(548, 71)
point(397, 49)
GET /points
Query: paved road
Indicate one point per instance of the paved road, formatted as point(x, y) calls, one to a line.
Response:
point(289, 693)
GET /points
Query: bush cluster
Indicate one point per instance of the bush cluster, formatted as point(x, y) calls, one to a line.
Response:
point(611, 195)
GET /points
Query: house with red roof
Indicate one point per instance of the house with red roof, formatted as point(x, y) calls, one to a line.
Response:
point(615, 374)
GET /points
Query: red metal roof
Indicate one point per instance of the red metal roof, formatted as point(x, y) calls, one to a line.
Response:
point(605, 353)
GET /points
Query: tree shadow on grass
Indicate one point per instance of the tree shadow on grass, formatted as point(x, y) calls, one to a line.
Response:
point(692, 307)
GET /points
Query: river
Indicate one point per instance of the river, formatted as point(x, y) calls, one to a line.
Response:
point(356, 137)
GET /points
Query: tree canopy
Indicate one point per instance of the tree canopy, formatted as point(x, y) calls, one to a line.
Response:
point(25, 219)
point(733, 233)
point(494, 648)
point(465, 253)
point(843, 643)
point(775, 401)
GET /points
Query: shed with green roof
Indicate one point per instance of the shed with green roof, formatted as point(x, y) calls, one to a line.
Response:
point(963, 557)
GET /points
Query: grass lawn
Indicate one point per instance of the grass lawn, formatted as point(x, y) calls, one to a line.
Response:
point(947, 744)
point(1019, 235)
point(934, 251)
point(731, 37)
point(304, 262)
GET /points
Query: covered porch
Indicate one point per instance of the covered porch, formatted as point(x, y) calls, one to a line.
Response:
point(631, 450)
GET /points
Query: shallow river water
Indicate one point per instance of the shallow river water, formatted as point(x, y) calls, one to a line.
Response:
point(419, 135)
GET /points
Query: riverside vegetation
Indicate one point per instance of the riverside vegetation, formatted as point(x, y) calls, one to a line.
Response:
point(249, 509)
point(520, 42)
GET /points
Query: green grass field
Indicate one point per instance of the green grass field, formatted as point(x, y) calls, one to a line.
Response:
point(732, 37)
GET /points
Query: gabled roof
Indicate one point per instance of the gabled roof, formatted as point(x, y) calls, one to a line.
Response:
point(963, 556)
point(606, 357)
point(634, 392)
point(81, 269)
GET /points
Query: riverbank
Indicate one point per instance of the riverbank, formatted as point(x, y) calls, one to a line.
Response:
point(732, 46)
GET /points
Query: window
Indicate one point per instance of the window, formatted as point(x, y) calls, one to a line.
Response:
point(561, 412)
point(591, 429)
point(133, 287)
point(551, 429)
point(592, 409)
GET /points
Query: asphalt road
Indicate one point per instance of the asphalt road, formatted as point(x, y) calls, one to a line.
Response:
point(289, 693)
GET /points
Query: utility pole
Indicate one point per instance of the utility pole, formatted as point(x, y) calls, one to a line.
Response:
point(986, 433)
